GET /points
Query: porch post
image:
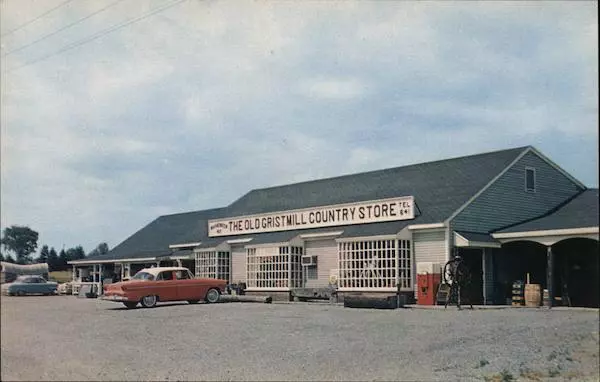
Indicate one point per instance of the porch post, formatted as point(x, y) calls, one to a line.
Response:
point(550, 275)
point(74, 273)
point(100, 288)
point(483, 270)
point(179, 262)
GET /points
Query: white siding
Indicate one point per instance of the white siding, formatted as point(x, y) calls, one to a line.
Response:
point(327, 259)
point(428, 247)
point(238, 264)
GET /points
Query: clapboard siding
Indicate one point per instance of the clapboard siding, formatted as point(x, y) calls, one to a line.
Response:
point(327, 259)
point(430, 247)
point(506, 202)
point(238, 264)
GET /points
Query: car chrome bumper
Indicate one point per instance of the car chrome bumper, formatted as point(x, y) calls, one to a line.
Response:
point(115, 298)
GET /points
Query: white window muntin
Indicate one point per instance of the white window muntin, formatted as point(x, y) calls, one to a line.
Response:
point(275, 268)
point(213, 264)
point(374, 265)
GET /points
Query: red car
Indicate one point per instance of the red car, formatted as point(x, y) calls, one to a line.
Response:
point(151, 285)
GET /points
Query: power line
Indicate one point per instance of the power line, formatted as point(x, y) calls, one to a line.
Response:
point(98, 35)
point(37, 18)
point(62, 29)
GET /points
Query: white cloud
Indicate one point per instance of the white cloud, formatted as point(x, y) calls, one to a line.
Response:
point(333, 89)
point(193, 107)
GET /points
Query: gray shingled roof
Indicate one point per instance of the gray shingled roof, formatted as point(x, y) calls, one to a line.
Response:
point(439, 188)
point(154, 239)
point(580, 212)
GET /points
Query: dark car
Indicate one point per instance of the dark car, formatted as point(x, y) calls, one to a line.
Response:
point(24, 285)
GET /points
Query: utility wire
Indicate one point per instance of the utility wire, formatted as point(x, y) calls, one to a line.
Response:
point(37, 18)
point(98, 35)
point(61, 29)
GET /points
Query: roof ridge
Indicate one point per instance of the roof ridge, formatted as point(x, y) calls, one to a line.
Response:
point(191, 212)
point(520, 148)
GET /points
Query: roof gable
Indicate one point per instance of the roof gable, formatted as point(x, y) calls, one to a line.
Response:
point(439, 187)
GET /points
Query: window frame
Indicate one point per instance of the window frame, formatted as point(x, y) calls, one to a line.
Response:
point(375, 265)
point(533, 171)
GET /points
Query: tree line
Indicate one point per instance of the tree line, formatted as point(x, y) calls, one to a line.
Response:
point(22, 242)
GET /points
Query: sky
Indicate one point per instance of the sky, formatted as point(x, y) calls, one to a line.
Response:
point(116, 112)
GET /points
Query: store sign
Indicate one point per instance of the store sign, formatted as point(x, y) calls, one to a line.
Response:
point(317, 217)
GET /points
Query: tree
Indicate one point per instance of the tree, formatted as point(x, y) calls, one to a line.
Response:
point(76, 253)
point(62, 260)
point(53, 260)
point(20, 240)
point(101, 249)
point(44, 253)
point(9, 259)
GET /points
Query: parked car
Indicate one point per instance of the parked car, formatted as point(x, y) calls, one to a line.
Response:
point(24, 285)
point(151, 285)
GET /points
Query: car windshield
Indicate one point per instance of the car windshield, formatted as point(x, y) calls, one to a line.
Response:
point(143, 276)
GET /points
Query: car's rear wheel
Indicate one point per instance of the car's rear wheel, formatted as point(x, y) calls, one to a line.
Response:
point(130, 305)
point(193, 301)
point(149, 301)
point(212, 295)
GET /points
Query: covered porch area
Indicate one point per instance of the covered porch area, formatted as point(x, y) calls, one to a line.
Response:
point(563, 262)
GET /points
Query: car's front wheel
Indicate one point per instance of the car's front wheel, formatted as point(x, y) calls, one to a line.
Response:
point(130, 305)
point(149, 301)
point(212, 295)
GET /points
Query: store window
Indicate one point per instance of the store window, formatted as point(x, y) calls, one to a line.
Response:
point(529, 179)
point(213, 265)
point(374, 264)
point(274, 267)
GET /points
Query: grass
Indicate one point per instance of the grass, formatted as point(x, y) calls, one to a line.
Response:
point(482, 363)
point(60, 276)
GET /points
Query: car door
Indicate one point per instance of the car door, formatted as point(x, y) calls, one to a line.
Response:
point(28, 285)
point(40, 286)
point(187, 287)
point(166, 286)
point(36, 286)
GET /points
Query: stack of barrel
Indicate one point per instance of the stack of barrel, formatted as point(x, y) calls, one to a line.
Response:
point(518, 293)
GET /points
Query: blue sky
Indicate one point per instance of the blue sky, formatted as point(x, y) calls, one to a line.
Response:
point(194, 106)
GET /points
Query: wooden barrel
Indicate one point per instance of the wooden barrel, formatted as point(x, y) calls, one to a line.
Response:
point(533, 295)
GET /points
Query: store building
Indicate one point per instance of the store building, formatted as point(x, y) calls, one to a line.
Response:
point(367, 232)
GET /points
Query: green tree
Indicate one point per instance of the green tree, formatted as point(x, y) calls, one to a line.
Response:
point(53, 260)
point(101, 249)
point(44, 253)
point(76, 253)
point(20, 240)
point(62, 260)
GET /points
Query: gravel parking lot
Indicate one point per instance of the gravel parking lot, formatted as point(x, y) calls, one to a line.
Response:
point(65, 338)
